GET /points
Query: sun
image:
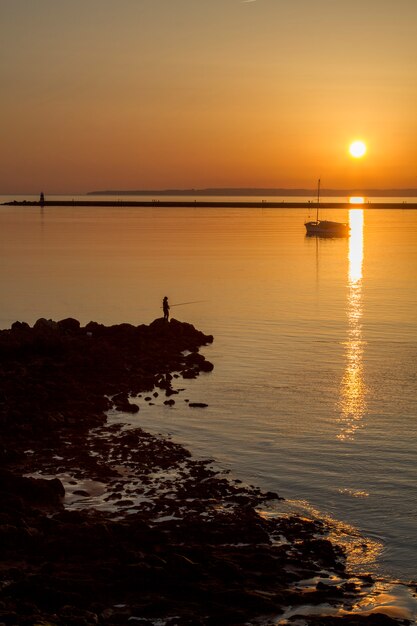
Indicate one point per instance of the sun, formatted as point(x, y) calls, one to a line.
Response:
point(357, 149)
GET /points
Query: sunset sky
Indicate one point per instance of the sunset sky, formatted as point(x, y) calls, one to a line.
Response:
point(154, 94)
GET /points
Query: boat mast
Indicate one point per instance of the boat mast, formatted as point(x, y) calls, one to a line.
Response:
point(318, 201)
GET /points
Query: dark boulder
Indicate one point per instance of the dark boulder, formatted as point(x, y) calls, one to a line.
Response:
point(194, 358)
point(36, 491)
point(20, 326)
point(95, 329)
point(121, 402)
point(206, 366)
point(69, 325)
point(45, 325)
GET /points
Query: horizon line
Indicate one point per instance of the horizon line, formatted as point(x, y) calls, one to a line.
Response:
point(300, 191)
point(234, 191)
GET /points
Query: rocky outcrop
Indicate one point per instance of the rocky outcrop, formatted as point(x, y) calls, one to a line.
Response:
point(172, 540)
point(58, 374)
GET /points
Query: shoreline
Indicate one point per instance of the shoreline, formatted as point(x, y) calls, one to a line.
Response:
point(107, 524)
point(212, 204)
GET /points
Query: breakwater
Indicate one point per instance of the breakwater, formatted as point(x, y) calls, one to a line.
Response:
point(238, 204)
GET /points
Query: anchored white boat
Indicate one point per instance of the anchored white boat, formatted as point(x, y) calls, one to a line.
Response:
point(325, 228)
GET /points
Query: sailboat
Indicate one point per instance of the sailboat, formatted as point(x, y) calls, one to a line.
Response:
point(325, 228)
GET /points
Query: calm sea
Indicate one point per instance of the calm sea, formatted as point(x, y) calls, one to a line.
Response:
point(313, 393)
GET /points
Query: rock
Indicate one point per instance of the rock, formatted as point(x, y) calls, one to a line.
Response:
point(95, 329)
point(321, 550)
point(69, 324)
point(116, 615)
point(38, 491)
point(190, 373)
point(20, 326)
point(121, 402)
point(206, 366)
point(43, 324)
point(272, 495)
point(194, 358)
point(200, 405)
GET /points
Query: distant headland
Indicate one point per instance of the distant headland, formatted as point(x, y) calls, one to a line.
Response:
point(255, 191)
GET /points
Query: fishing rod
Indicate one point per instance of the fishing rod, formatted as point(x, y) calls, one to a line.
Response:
point(183, 303)
point(192, 302)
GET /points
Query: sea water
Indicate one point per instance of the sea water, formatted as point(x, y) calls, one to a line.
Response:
point(313, 391)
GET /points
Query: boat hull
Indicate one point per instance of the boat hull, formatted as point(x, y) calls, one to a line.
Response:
point(325, 228)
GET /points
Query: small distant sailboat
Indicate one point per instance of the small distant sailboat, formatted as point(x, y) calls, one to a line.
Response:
point(325, 228)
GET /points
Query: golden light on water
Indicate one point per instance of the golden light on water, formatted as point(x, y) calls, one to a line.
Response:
point(356, 254)
point(353, 390)
point(356, 200)
point(361, 551)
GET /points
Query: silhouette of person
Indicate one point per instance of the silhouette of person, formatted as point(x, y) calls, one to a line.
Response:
point(165, 308)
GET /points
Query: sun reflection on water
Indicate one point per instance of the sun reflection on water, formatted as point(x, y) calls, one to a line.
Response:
point(353, 390)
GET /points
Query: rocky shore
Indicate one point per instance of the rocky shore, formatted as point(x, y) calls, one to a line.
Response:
point(107, 524)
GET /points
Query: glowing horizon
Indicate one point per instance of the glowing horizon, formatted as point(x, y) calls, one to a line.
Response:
point(196, 95)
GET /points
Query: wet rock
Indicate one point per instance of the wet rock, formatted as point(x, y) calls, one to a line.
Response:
point(116, 615)
point(189, 373)
point(272, 495)
point(194, 358)
point(122, 403)
point(130, 407)
point(37, 491)
point(200, 405)
point(206, 366)
point(323, 551)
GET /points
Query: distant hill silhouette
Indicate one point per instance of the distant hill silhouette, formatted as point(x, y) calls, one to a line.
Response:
point(227, 191)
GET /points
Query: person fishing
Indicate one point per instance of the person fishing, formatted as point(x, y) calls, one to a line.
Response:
point(165, 308)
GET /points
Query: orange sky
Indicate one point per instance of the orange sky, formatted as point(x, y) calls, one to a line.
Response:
point(157, 94)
